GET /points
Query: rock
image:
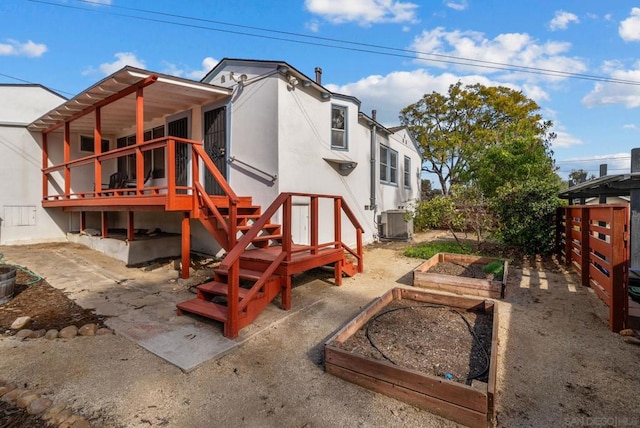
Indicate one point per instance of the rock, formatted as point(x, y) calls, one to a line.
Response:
point(103, 331)
point(51, 334)
point(88, 330)
point(60, 417)
point(37, 334)
point(7, 388)
point(23, 334)
point(627, 332)
point(20, 323)
point(26, 398)
point(75, 421)
point(53, 411)
point(39, 406)
point(632, 340)
point(11, 396)
point(68, 332)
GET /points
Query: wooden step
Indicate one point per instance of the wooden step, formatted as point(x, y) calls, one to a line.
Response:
point(267, 238)
point(203, 308)
point(252, 275)
point(349, 268)
point(268, 227)
point(215, 288)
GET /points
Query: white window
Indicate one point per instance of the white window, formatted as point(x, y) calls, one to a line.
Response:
point(86, 144)
point(407, 172)
point(388, 165)
point(339, 127)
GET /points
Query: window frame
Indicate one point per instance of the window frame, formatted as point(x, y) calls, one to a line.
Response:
point(407, 172)
point(386, 166)
point(128, 164)
point(344, 130)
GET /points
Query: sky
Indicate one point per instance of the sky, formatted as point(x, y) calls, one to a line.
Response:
point(579, 60)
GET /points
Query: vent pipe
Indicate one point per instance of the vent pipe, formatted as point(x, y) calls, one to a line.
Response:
point(318, 71)
point(374, 149)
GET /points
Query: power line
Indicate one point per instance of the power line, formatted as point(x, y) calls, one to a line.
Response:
point(33, 83)
point(393, 51)
point(595, 160)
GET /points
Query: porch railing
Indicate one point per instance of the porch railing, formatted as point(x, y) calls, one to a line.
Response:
point(231, 262)
point(594, 240)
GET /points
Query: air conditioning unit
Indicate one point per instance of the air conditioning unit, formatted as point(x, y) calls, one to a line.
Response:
point(396, 225)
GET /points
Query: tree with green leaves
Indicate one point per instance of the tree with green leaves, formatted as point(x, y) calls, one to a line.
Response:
point(580, 176)
point(453, 129)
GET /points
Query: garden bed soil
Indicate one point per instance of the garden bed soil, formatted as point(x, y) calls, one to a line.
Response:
point(461, 274)
point(417, 347)
point(48, 307)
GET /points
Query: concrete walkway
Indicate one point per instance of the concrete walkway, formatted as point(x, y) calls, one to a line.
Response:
point(140, 303)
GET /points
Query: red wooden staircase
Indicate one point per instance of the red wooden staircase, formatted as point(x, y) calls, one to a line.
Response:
point(261, 257)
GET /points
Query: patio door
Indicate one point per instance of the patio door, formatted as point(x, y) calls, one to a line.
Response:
point(215, 144)
point(180, 128)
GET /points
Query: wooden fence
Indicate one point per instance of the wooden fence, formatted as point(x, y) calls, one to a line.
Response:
point(594, 240)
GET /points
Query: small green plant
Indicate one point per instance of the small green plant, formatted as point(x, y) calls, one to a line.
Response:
point(428, 250)
point(496, 268)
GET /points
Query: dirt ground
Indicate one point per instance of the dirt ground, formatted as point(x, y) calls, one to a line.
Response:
point(558, 363)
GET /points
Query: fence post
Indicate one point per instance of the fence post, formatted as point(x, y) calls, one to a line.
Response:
point(585, 249)
point(568, 235)
point(619, 304)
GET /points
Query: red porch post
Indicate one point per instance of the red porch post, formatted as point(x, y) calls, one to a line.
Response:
point(97, 148)
point(67, 158)
point(104, 226)
point(314, 225)
point(186, 246)
point(130, 229)
point(45, 165)
point(139, 138)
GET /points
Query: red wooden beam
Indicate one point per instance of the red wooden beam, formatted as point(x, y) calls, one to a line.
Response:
point(314, 225)
point(111, 98)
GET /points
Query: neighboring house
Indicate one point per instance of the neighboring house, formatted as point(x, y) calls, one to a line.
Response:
point(610, 200)
point(22, 217)
point(257, 161)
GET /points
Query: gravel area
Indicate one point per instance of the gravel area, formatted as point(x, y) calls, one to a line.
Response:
point(558, 364)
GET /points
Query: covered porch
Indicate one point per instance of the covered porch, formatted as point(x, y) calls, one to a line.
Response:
point(130, 143)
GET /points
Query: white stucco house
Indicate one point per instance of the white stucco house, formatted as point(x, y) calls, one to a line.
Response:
point(257, 161)
point(269, 129)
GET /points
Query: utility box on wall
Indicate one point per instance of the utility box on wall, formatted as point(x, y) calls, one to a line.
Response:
point(396, 225)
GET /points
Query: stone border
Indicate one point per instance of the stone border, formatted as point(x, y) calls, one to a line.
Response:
point(68, 332)
point(52, 414)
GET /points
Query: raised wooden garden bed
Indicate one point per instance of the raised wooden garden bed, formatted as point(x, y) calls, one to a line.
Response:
point(471, 405)
point(480, 287)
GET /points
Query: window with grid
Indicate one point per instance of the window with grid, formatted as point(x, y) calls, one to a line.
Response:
point(86, 144)
point(339, 127)
point(407, 172)
point(388, 165)
point(153, 159)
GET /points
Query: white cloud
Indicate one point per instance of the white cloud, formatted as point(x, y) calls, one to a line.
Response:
point(562, 19)
point(122, 59)
point(207, 65)
point(100, 2)
point(28, 48)
point(518, 49)
point(631, 126)
point(564, 139)
point(457, 4)
point(616, 93)
point(629, 28)
point(363, 12)
point(313, 26)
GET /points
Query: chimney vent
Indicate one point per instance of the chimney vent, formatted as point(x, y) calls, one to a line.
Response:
point(318, 71)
